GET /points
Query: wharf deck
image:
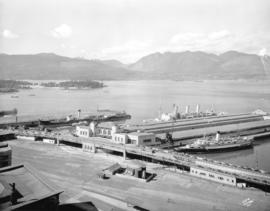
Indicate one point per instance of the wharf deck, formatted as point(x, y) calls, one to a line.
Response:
point(246, 128)
point(182, 159)
point(168, 157)
point(186, 124)
point(75, 172)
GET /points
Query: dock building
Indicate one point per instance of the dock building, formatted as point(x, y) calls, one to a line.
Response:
point(135, 138)
point(115, 134)
point(103, 129)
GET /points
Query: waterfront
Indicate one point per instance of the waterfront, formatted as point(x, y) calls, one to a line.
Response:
point(69, 169)
point(143, 99)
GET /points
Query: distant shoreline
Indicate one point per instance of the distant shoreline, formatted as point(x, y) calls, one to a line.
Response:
point(12, 86)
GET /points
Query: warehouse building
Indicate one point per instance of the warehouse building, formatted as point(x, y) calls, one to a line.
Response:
point(135, 138)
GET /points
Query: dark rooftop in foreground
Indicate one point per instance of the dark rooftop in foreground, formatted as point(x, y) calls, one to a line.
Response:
point(21, 188)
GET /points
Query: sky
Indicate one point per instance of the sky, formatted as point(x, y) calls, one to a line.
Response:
point(127, 30)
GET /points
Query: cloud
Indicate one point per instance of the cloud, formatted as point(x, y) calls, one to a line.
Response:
point(130, 46)
point(129, 51)
point(263, 52)
point(8, 34)
point(212, 41)
point(62, 31)
point(186, 37)
point(219, 35)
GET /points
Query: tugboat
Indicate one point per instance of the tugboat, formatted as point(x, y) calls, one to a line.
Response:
point(218, 144)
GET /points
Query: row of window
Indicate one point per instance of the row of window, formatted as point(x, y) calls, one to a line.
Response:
point(147, 141)
point(84, 133)
point(119, 139)
point(212, 176)
point(88, 147)
point(104, 131)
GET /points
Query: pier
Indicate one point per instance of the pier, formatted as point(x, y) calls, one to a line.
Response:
point(251, 125)
point(185, 162)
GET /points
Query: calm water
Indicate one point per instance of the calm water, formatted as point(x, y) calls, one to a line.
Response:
point(143, 99)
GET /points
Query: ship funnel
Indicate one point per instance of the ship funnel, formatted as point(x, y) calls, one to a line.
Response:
point(92, 126)
point(197, 108)
point(79, 113)
point(187, 109)
point(218, 136)
point(175, 110)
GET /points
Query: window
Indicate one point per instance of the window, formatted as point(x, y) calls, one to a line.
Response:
point(211, 175)
point(202, 173)
point(220, 178)
point(133, 141)
point(147, 140)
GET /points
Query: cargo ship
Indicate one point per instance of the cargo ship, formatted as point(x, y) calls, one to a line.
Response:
point(69, 120)
point(211, 144)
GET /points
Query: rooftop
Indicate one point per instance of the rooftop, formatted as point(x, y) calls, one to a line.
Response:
point(29, 186)
point(83, 127)
point(108, 125)
point(140, 133)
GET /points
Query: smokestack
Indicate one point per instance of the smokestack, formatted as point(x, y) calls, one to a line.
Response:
point(187, 109)
point(198, 109)
point(218, 136)
point(79, 114)
point(175, 109)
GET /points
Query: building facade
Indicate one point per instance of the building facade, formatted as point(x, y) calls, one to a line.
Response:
point(135, 138)
point(83, 131)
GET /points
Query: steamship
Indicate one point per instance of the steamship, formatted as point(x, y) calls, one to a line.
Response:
point(218, 144)
point(177, 115)
point(69, 120)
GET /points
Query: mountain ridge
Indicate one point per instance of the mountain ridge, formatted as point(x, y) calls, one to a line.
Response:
point(167, 65)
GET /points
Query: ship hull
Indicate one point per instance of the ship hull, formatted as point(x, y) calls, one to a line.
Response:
point(215, 149)
point(63, 122)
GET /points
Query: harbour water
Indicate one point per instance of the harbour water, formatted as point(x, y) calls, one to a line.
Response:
point(144, 99)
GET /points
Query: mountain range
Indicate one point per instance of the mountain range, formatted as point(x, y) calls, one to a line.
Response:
point(186, 65)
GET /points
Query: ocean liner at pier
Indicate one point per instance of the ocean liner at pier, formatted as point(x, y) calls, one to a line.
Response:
point(211, 144)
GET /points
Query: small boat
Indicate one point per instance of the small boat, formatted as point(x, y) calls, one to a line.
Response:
point(211, 144)
point(14, 96)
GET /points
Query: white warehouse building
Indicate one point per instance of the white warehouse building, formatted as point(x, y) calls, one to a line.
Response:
point(113, 132)
point(135, 138)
